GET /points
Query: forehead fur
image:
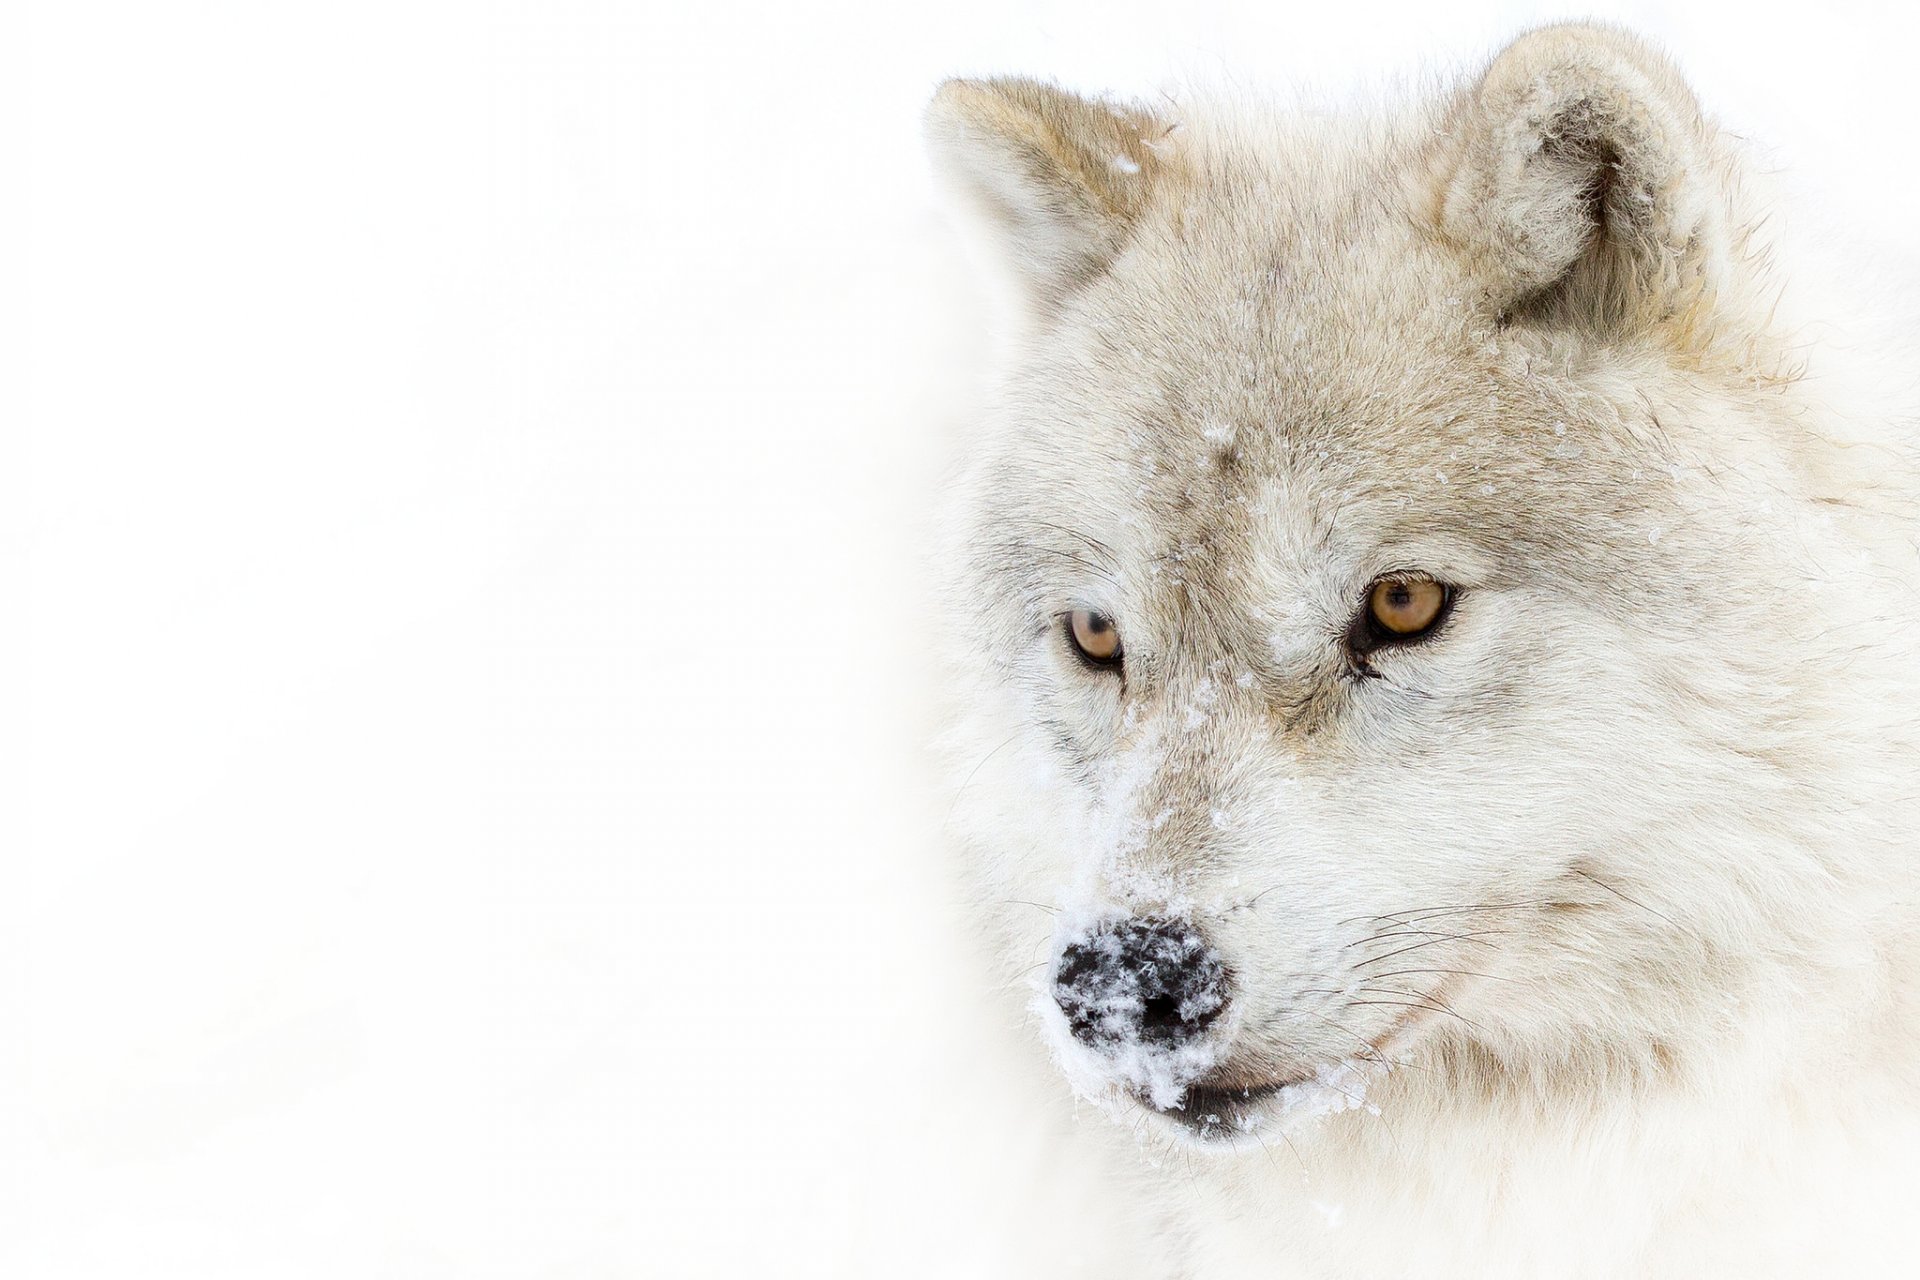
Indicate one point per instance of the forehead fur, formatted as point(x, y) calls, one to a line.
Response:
point(1285, 353)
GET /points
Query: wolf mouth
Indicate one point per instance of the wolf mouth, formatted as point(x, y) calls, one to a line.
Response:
point(1218, 1115)
point(1215, 1113)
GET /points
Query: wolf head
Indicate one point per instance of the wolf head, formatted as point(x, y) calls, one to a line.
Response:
point(1394, 596)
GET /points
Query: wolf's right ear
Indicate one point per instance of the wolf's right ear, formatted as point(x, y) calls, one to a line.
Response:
point(1056, 180)
point(1581, 177)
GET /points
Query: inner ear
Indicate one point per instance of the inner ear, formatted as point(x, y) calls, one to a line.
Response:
point(1597, 280)
point(1579, 178)
point(1054, 180)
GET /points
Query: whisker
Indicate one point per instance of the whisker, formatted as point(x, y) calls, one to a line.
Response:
point(1250, 903)
point(947, 821)
point(1401, 973)
point(1633, 901)
point(1076, 558)
point(1428, 996)
point(1429, 1007)
point(1092, 542)
point(1368, 1051)
point(1477, 938)
point(1394, 933)
point(1412, 913)
point(1435, 913)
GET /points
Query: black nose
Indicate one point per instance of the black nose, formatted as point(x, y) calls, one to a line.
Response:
point(1155, 982)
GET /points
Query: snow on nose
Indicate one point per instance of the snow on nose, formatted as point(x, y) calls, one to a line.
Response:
point(1150, 983)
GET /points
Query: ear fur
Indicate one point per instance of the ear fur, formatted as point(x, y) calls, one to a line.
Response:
point(1582, 178)
point(1057, 180)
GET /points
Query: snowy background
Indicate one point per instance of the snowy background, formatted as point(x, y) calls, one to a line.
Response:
point(460, 532)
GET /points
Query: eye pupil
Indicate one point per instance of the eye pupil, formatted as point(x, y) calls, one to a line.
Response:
point(1405, 608)
point(1094, 637)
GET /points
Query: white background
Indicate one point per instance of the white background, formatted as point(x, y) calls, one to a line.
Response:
point(460, 541)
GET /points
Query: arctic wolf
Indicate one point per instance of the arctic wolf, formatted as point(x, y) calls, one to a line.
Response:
point(1433, 609)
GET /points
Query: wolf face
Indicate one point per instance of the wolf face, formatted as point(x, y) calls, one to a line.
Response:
point(1397, 603)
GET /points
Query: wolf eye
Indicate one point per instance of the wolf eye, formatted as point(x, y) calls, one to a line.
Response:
point(1094, 637)
point(1399, 610)
point(1406, 608)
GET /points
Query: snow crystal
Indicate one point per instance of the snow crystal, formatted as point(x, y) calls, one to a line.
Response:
point(1125, 164)
point(1341, 1087)
point(1124, 1063)
point(1205, 696)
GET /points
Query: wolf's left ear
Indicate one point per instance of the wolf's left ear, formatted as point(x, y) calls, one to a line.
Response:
point(1583, 181)
point(1057, 180)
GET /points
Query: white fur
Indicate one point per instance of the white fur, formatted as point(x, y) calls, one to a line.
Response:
point(1640, 811)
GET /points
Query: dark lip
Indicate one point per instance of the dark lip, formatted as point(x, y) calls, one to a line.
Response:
point(1221, 1114)
point(1215, 1113)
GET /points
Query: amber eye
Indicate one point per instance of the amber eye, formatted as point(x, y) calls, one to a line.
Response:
point(1404, 608)
point(1094, 636)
